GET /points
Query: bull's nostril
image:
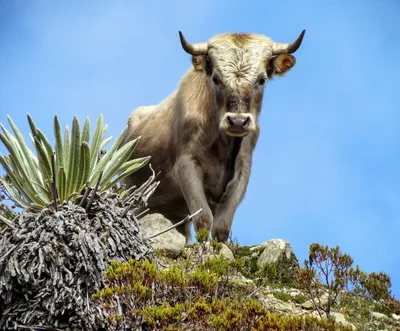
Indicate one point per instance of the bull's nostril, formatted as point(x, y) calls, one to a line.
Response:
point(229, 120)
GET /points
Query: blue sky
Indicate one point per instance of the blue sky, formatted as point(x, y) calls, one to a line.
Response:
point(326, 168)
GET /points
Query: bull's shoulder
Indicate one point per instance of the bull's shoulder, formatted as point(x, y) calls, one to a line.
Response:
point(140, 113)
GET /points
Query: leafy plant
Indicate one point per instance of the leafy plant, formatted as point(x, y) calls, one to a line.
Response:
point(372, 286)
point(75, 219)
point(374, 289)
point(326, 270)
point(60, 173)
point(140, 296)
point(202, 235)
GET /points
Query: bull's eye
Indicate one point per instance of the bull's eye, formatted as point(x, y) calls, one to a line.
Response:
point(261, 81)
point(215, 80)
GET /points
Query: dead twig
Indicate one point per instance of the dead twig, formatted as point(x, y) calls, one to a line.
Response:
point(253, 292)
point(160, 264)
point(94, 192)
point(142, 213)
point(85, 196)
point(141, 195)
point(38, 327)
point(186, 219)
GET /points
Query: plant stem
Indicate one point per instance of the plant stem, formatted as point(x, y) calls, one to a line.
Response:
point(186, 219)
point(85, 196)
point(94, 192)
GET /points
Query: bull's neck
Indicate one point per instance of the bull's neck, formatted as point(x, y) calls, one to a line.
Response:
point(230, 155)
point(233, 143)
point(230, 146)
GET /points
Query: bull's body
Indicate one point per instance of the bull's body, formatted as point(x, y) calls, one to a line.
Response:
point(202, 136)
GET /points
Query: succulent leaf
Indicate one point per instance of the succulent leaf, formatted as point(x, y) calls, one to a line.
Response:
point(77, 163)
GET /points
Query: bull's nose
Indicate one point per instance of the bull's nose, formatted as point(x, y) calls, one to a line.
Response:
point(238, 123)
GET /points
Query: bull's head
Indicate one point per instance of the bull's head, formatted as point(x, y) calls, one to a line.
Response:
point(237, 67)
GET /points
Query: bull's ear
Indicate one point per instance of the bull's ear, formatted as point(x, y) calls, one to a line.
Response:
point(202, 63)
point(280, 65)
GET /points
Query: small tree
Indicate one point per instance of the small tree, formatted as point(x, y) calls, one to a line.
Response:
point(372, 286)
point(327, 269)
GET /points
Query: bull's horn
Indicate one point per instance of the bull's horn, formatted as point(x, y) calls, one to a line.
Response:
point(193, 49)
point(280, 48)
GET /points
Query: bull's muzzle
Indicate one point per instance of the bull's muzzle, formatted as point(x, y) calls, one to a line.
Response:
point(237, 124)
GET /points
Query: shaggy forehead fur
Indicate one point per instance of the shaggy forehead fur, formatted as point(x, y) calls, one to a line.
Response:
point(239, 58)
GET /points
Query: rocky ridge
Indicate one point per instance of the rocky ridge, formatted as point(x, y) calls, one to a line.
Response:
point(280, 298)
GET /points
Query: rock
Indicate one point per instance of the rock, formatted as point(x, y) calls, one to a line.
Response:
point(396, 317)
point(324, 300)
point(171, 243)
point(226, 252)
point(316, 314)
point(379, 316)
point(238, 277)
point(270, 302)
point(293, 293)
point(339, 318)
point(309, 303)
point(274, 250)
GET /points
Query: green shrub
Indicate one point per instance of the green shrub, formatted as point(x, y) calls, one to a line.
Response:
point(373, 286)
point(300, 298)
point(140, 295)
point(202, 235)
point(284, 272)
point(393, 305)
point(246, 259)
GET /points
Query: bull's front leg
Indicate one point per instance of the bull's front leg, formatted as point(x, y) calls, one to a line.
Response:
point(190, 176)
point(223, 216)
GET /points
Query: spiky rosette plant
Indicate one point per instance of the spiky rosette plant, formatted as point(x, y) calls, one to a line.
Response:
point(75, 220)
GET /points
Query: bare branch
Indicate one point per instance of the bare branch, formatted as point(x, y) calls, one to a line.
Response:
point(38, 327)
point(142, 213)
point(186, 219)
point(257, 289)
point(85, 196)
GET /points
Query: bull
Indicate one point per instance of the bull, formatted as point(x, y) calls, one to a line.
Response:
point(202, 137)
